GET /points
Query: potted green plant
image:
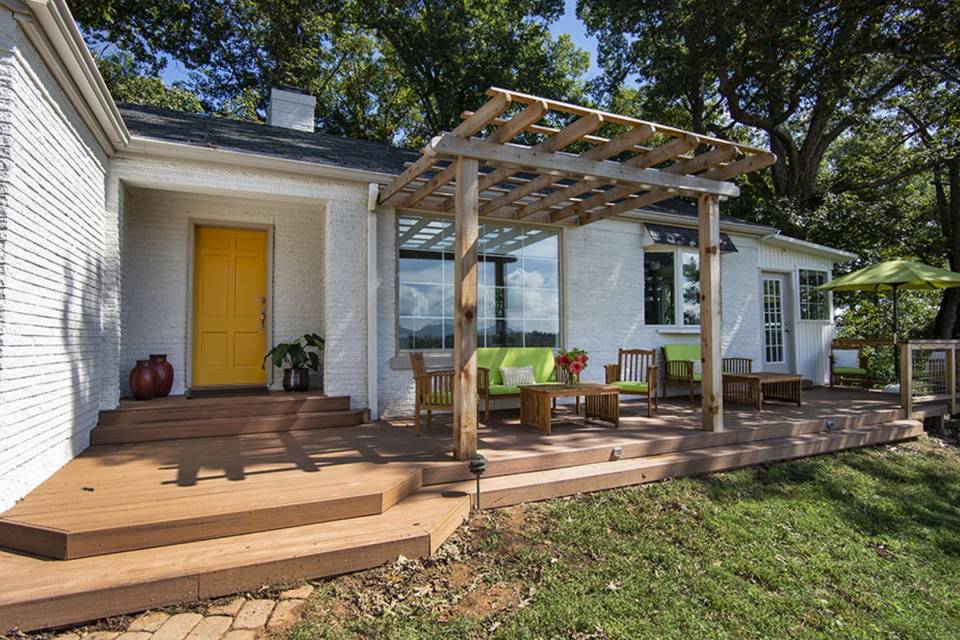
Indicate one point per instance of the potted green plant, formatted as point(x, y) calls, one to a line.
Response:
point(297, 358)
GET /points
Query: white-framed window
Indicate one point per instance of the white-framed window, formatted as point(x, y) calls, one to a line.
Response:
point(671, 287)
point(518, 284)
point(814, 304)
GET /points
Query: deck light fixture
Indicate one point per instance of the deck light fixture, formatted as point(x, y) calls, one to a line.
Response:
point(478, 464)
point(616, 453)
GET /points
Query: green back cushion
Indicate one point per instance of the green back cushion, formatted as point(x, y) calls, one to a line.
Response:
point(540, 358)
point(682, 352)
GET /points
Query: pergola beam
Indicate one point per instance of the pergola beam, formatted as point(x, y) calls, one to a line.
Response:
point(523, 158)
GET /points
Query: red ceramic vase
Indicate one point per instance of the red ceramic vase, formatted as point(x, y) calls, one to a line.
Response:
point(164, 372)
point(143, 380)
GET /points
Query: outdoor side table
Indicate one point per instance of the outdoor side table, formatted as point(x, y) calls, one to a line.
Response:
point(755, 388)
point(602, 403)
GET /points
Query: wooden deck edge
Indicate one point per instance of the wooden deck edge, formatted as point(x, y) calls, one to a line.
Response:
point(532, 487)
point(25, 536)
point(661, 445)
point(114, 596)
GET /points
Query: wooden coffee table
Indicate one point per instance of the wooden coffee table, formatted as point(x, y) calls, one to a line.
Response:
point(602, 402)
point(754, 388)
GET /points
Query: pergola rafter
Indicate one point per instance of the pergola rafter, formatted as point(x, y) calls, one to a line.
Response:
point(528, 167)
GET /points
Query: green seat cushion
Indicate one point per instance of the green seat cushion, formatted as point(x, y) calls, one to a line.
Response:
point(630, 386)
point(682, 352)
point(696, 377)
point(850, 371)
point(504, 390)
point(540, 358)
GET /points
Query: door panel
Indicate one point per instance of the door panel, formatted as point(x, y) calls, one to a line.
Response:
point(777, 324)
point(230, 292)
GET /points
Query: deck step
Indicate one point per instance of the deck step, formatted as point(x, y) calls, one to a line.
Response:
point(508, 490)
point(180, 408)
point(229, 426)
point(50, 594)
point(66, 521)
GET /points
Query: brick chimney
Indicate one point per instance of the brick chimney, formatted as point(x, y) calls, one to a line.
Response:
point(292, 109)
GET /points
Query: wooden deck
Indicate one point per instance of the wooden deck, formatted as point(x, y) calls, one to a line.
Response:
point(176, 520)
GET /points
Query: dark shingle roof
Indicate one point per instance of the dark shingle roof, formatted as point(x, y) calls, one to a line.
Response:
point(249, 137)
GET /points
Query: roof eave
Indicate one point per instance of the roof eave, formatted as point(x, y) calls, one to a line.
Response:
point(837, 255)
point(52, 30)
point(742, 228)
point(142, 146)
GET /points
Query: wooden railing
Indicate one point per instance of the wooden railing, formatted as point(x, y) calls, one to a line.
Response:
point(928, 372)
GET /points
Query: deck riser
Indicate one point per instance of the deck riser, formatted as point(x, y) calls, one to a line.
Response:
point(65, 545)
point(533, 492)
point(174, 430)
point(541, 461)
point(197, 410)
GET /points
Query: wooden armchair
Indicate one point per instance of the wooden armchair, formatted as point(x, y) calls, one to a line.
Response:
point(434, 390)
point(679, 366)
point(635, 373)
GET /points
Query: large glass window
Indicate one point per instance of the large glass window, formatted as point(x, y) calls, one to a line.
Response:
point(662, 279)
point(518, 284)
point(814, 304)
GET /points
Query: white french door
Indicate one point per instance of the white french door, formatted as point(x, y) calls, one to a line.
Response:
point(777, 323)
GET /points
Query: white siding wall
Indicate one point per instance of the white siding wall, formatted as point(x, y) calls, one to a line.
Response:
point(602, 271)
point(51, 271)
point(156, 277)
point(811, 337)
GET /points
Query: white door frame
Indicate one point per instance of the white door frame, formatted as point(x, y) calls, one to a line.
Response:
point(788, 310)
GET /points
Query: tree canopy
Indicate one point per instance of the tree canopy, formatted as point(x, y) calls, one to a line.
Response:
point(858, 98)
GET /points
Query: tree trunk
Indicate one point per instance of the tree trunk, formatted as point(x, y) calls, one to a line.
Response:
point(948, 209)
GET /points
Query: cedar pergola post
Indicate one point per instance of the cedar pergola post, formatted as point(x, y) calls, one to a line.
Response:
point(711, 382)
point(466, 229)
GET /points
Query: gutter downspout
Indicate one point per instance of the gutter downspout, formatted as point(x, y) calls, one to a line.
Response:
point(373, 284)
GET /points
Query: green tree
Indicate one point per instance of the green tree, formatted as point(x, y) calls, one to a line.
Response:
point(390, 71)
point(129, 82)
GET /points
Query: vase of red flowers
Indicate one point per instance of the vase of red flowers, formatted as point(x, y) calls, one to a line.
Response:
point(572, 362)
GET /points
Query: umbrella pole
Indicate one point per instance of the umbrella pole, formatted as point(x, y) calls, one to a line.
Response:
point(896, 347)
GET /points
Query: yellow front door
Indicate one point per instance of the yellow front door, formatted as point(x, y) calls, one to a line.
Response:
point(229, 306)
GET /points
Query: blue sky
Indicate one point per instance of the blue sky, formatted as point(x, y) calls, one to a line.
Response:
point(569, 23)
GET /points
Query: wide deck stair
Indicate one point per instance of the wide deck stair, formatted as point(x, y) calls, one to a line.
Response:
point(177, 418)
point(159, 522)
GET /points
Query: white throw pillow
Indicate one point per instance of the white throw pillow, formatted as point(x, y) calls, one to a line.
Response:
point(846, 358)
point(515, 376)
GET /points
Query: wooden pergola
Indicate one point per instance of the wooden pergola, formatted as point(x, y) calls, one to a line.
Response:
point(525, 158)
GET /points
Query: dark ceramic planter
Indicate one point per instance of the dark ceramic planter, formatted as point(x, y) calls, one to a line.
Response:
point(143, 381)
point(296, 379)
point(164, 372)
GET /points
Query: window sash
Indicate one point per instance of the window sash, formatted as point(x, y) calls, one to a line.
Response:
point(682, 309)
point(519, 284)
point(814, 304)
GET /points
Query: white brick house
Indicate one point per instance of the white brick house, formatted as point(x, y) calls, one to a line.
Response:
point(99, 206)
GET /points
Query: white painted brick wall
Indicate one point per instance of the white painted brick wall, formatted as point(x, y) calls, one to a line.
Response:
point(51, 251)
point(339, 269)
point(156, 278)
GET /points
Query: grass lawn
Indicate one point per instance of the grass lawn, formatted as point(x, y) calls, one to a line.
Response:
point(862, 544)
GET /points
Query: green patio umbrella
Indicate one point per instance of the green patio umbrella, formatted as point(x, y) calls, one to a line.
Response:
point(894, 275)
